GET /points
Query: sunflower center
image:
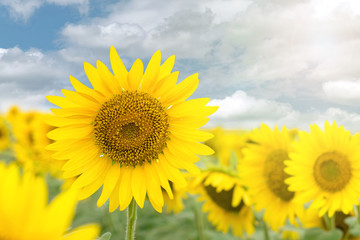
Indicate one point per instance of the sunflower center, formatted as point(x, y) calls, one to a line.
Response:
point(275, 175)
point(131, 128)
point(223, 199)
point(332, 171)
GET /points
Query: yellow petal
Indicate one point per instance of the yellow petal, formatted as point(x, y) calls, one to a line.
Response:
point(78, 86)
point(72, 112)
point(114, 197)
point(118, 68)
point(108, 78)
point(81, 99)
point(62, 121)
point(125, 193)
point(95, 80)
point(194, 147)
point(138, 184)
point(172, 173)
point(166, 67)
point(153, 189)
point(135, 75)
point(151, 72)
point(165, 84)
point(111, 179)
point(182, 91)
point(84, 232)
point(194, 135)
point(91, 174)
point(61, 102)
point(72, 132)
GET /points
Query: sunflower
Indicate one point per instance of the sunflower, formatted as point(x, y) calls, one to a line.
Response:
point(324, 168)
point(227, 142)
point(226, 201)
point(30, 131)
point(131, 132)
point(311, 219)
point(263, 172)
point(5, 141)
point(175, 204)
point(25, 214)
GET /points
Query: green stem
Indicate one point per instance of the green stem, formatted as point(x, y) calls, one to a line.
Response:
point(329, 222)
point(332, 222)
point(346, 235)
point(199, 221)
point(358, 213)
point(131, 220)
point(266, 231)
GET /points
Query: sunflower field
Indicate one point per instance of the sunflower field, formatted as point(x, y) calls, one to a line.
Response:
point(132, 157)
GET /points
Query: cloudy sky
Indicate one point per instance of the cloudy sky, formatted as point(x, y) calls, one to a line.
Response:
point(281, 62)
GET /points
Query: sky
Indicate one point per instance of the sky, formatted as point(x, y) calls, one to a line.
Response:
point(278, 62)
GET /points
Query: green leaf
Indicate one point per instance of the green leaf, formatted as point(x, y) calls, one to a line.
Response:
point(320, 234)
point(354, 226)
point(105, 236)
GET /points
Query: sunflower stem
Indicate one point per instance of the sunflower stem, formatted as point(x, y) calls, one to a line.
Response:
point(358, 213)
point(329, 222)
point(131, 220)
point(199, 221)
point(266, 231)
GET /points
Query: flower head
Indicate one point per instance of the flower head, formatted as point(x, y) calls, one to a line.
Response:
point(324, 169)
point(132, 132)
point(25, 214)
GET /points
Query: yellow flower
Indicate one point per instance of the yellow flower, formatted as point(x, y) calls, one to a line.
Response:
point(263, 172)
point(225, 200)
point(227, 142)
point(325, 169)
point(175, 204)
point(25, 214)
point(131, 132)
point(5, 141)
point(30, 132)
point(311, 219)
point(12, 114)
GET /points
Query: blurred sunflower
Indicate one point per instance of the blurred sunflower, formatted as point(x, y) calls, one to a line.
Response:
point(263, 173)
point(226, 201)
point(227, 142)
point(311, 219)
point(25, 214)
point(325, 169)
point(30, 132)
point(175, 204)
point(5, 141)
point(131, 133)
point(12, 114)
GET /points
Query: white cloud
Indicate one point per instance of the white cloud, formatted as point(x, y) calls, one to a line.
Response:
point(275, 49)
point(247, 112)
point(24, 9)
point(26, 77)
point(344, 92)
point(278, 51)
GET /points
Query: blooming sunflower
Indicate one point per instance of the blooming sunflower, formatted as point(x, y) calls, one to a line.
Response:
point(311, 219)
point(132, 132)
point(5, 141)
point(25, 214)
point(325, 169)
point(226, 201)
point(175, 204)
point(30, 131)
point(226, 142)
point(263, 172)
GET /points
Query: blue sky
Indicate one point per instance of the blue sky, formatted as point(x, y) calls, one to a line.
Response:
point(280, 62)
